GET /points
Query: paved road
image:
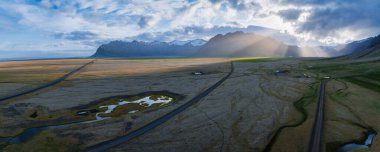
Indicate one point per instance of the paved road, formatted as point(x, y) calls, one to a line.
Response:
point(316, 135)
point(54, 82)
point(120, 140)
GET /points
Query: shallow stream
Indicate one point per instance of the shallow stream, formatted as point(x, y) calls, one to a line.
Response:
point(366, 144)
point(144, 103)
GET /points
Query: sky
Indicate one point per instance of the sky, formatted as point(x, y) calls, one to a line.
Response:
point(68, 28)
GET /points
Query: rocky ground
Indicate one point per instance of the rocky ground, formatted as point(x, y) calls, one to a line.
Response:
point(352, 102)
point(351, 112)
point(107, 78)
point(241, 115)
point(265, 105)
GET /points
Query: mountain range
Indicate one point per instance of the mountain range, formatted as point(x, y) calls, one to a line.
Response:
point(120, 49)
point(235, 44)
point(367, 49)
point(242, 44)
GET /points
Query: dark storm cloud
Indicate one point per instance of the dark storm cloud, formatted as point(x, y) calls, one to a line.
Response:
point(194, 32)
point(290, 14)
point(76, 35)
point(198, 31)
point(355, 14)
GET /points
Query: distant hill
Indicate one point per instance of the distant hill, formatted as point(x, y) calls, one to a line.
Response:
point(196, 42)
point(120, 49)
point(353, 46)
point(240, 44)
point(364, 49)
point(236, 44)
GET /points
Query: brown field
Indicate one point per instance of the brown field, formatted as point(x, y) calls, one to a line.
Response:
point(16, 76)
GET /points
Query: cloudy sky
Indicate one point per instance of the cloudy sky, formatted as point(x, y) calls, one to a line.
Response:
point(77, 28)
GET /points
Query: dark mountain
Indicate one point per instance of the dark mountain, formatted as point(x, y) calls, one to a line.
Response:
point(240, 44)
point(353, 46)
point(236, 44)
point(120, 49)
point(367, 48)
point(196, 42)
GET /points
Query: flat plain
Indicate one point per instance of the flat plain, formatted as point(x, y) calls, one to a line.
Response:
point(266, 104)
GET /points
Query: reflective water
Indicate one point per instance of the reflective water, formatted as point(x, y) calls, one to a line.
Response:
point(366, 144)
point(147, 102)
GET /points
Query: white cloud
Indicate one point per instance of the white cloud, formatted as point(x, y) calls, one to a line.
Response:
point(117, 19)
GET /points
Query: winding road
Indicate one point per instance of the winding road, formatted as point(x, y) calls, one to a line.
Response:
point(54, 82)
point(317, 132)
point(122, 139)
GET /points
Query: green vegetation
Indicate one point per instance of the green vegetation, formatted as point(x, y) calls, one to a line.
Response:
point(328, 67)
point(45, 118)
point(373, 76)
point(3, 145)
point(366, 84)
point(309, 97)
point(344, 69)
point(338, 96)
point(351, 112)
point(366, 75)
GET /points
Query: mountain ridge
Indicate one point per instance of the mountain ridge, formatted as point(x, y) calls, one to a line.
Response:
point(142, 49)
point(233, 44)
point(241, 44)
point(363, 49)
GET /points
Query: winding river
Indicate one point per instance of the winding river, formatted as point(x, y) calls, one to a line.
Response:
point(144, 103)
point(366, 144)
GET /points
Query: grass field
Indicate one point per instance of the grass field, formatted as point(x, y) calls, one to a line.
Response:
point(352, 101)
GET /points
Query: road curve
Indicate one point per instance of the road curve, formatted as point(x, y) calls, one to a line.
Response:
point(122, 139)
point(317, 132)
point(54, 82)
